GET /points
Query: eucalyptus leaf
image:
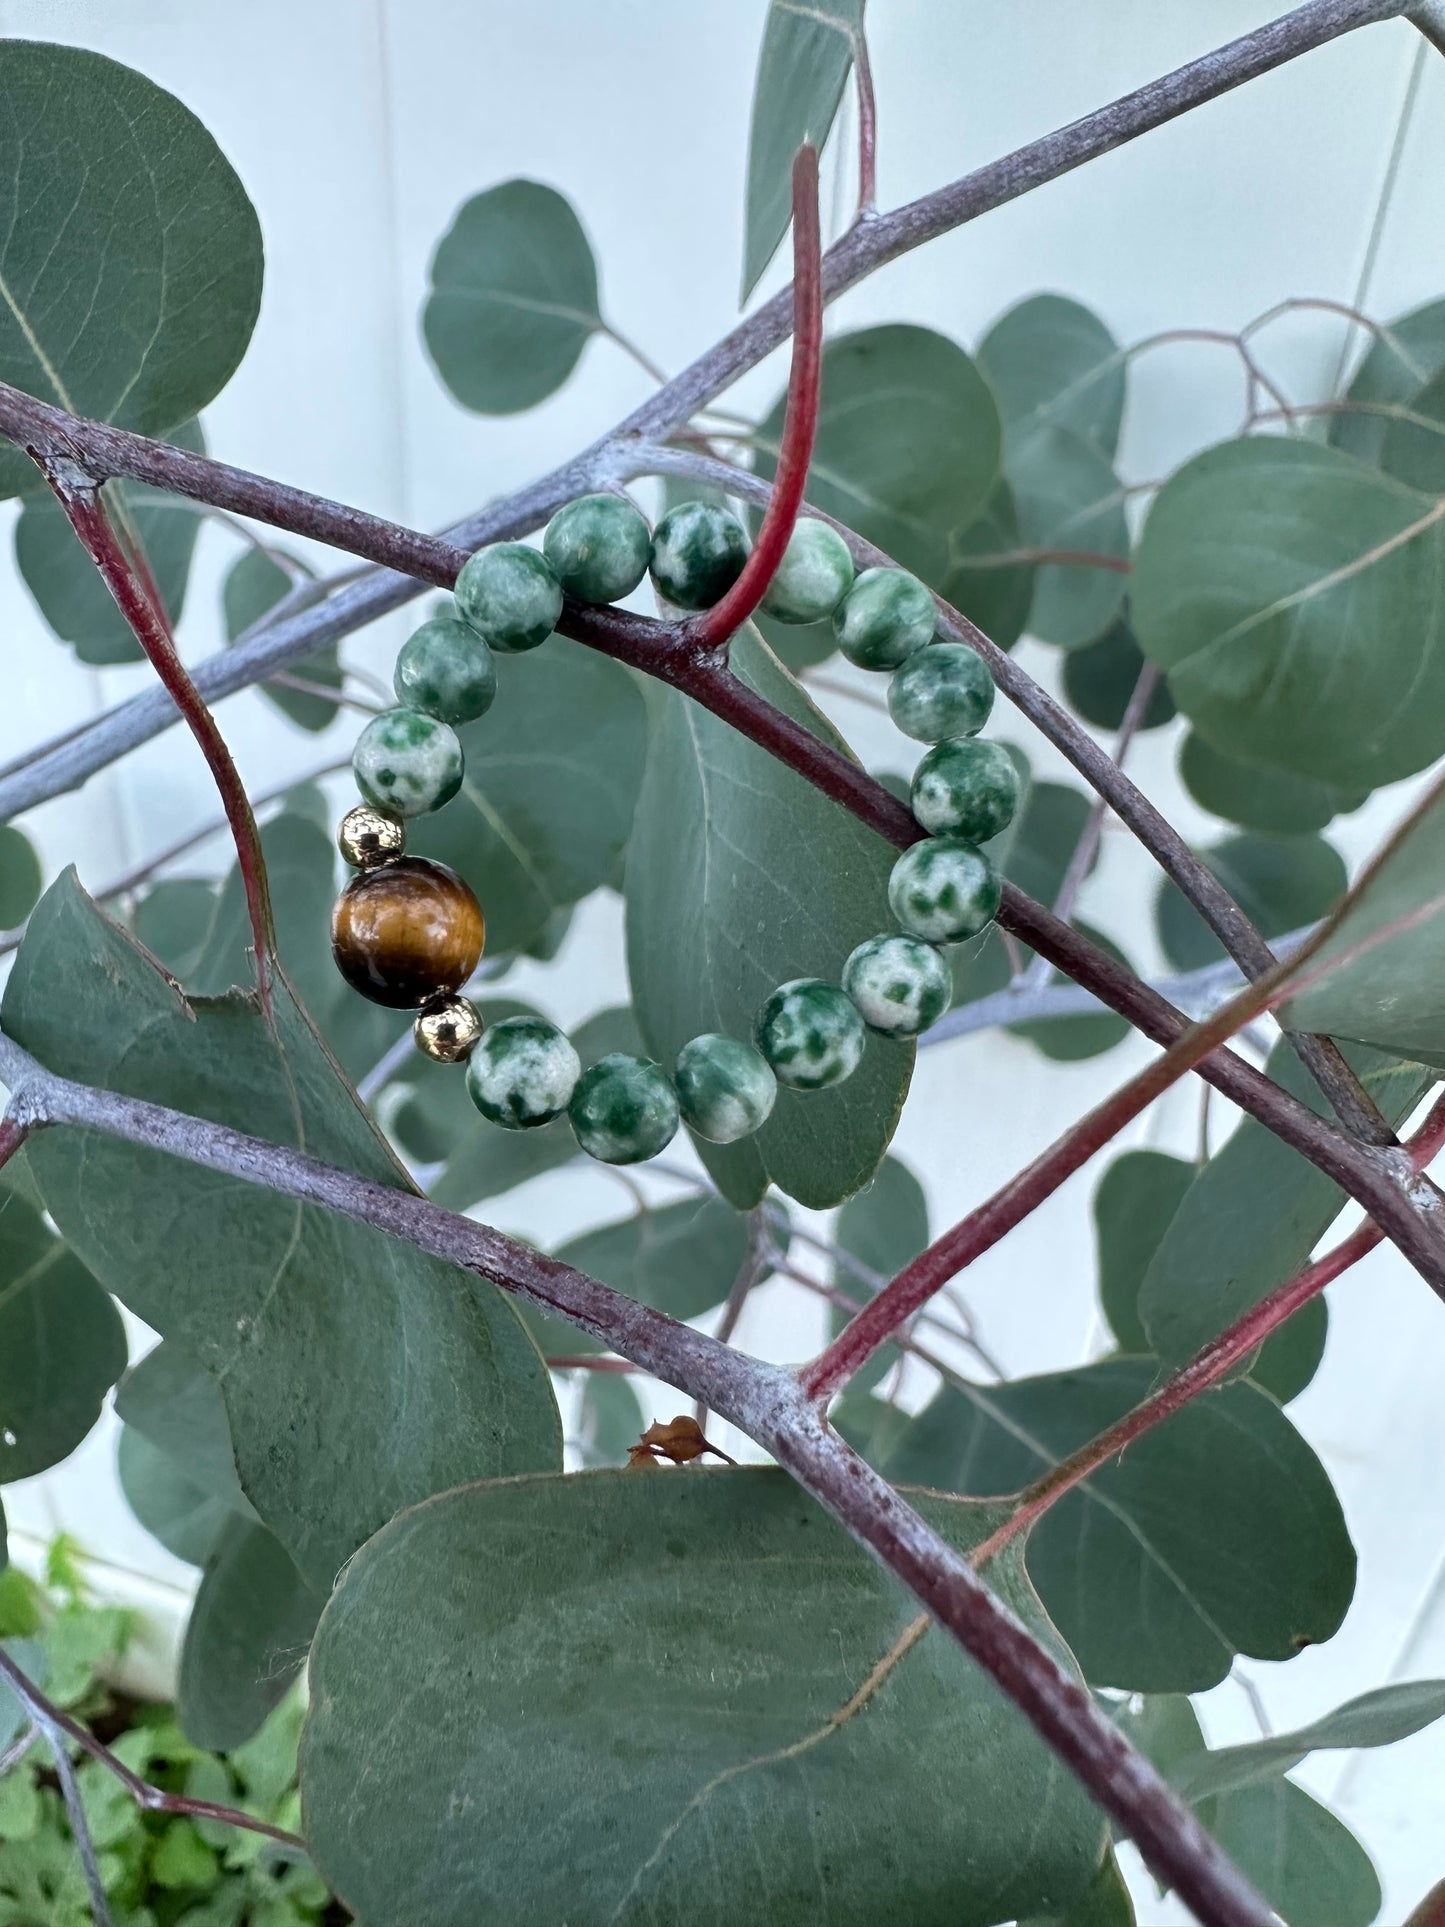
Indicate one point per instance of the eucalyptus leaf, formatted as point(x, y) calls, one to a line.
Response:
point(994, 594)
point(742, 876)
point(803, 66)
point(175, 920)
point(1401, 359)
point(884, 1227)
point(1270, 800)
point(1099, 682)
point(358, 1374)
point(1216, 1533)
point(1281, 883)
point(1255, 1213)
point(1292, 595)
point(1105, 1904)
point(131, 257)
point(611, 1419)
point(174, 1507)
point(255, 584)
point(513, 298)
point(450, 1762)
point(908, 443)
point(62, 1344)
point(1303, 1859)
point(1414, 445)
point(177, 1406)
point(68, 588)
point(1068, 1040)
point(20, 876)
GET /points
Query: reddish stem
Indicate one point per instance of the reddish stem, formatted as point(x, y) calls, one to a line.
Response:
point(800, 419)
point(145, 614)
point(12, 1135)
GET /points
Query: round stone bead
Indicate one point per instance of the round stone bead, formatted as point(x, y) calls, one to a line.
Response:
point(446, 1030)
point(725, 1089)
point(815, 574)
point(698, 552)
point(624, 1109)
point(810, 1034)
point(899, 985)
point(446, 670)
point(940, 692)
point(968, 788)
point(522, 1073)
point(407, 763)
point(407, 932)
point(944, 890)
point(367, 837)
point(598, 547)
point(510, 596)
point(884, 618)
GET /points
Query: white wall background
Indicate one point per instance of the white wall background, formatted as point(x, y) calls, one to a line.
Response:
point(359, 125)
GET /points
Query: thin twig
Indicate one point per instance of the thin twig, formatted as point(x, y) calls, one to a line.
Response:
point(80, 1834)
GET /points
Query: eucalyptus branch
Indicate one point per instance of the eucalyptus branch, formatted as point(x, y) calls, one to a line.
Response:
point(762, 1400)
point(80, 1833)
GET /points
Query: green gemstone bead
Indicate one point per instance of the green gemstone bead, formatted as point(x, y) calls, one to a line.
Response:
point(725, 1089)
point(522, 1073)
point(944, 890)
point(968, 788)
point(810, 1034)
point(941, 692)
point(899, 985)
point(698, 552)
point(510, 596)
point(407, 763)
point(884, 618)
point(598, 547)
point(445, 669)
point(624, 1109)
point(815, 574)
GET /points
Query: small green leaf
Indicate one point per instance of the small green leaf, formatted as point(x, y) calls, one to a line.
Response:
point(741, 876)
point(1067, 1040)
point(175, 919)
point(1254, 1214)
point(67, 586)
point(358, 1374)
point(20, 876)
point(1152, 1568)
point(1099, 681)
point(1414, 446)
point(1281, 883)
point(1380, 1718)
point(611, 1419)
point(246, 1638)
point(1106, 1904)
point(177, 1466)
point(1270, 800)
point(1292, 596)
point(131, 258)
point(173, 1507)
point(668, 1715)
point(1306, 1863)
point(907, 451)
point(1378, 977)
point(803, 66)
point(62, 1344)
point(254, 586)
point(884, 1227)
point(513, 298)
point(996, 596)
point(1400, 361)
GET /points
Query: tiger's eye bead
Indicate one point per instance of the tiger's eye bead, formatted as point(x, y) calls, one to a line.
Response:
point(944, 890)
point(598, 547)
point(968, 789)
point(446, 1030)
point(885, 617)
point(509, 595)
point(815, 574)
point(407, 763)
point(623, 1109)
point(725, 1089)
point(899, 985)
point(407, 932)
point(942, 691)
point(698, 552)
point(810, 1034)
point(368, 837)
point(446, 670)
point(523, 1073)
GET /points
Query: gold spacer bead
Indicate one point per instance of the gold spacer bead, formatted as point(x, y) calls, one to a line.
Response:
point(368, 837)
point(447, 1029)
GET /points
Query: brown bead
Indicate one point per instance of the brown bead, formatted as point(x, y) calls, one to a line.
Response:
point(447, 1029)
point(407, 932)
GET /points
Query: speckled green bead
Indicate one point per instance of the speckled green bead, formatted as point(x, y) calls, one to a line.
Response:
point(522, 1073)
point(698, 552)
point(510, 596)
point(885, 617)
point(967, 788)
point(899, 985)
point(811, 1035)
point(725, 1089)
point(815, 574)
point(944, 890)
point(598, 547)
point(624, 1109)
point(445, 669)
point(407, 763)
point(940, 692)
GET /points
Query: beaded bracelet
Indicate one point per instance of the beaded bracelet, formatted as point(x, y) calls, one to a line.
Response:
point(408, 932)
